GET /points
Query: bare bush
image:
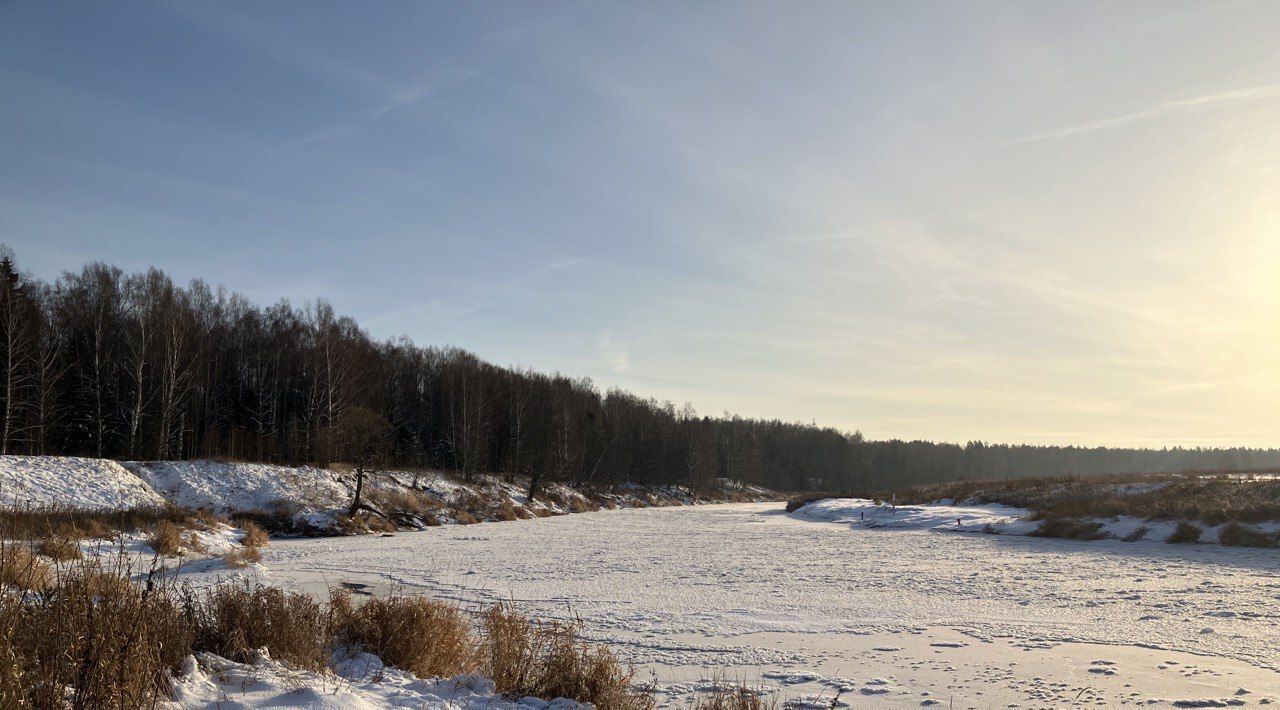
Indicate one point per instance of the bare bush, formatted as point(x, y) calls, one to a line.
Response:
point(234, 621)
point(254, 536)
point(1185, 533)
point(424, 636)
point(59, 549)
point(92, 639)
point(549, 659)
point(1238, 535)
point(21, 569)
point(242, 557)
point(1070, 529)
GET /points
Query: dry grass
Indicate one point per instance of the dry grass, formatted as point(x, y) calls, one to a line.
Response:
point(364, 522)
point(1199, 497)
point(254, 536)
point(92, 639)
point(234, 621)
point(505, 512)
point(1238, 535)
point(735, 697)
point(465, 518)
point(166, 539)
point(549, 660)
point(39, 522)
point(799, 502)
point(59, 549)
point(242, 557)
point(1070, 529)
point(21, 569)
point(1185, 533)
point(423, 636)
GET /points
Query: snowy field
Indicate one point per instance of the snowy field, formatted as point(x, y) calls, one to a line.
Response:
point(890, 617)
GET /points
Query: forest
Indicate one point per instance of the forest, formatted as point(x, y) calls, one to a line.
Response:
point(133, 366)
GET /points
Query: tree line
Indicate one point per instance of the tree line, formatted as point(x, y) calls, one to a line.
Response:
point(133, 366)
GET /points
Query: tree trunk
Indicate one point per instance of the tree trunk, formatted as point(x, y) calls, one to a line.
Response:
point(355, 504)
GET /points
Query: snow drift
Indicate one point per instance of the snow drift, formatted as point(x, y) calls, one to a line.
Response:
point(66, 480)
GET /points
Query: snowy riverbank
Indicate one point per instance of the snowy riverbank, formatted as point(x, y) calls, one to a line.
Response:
point(994, 519)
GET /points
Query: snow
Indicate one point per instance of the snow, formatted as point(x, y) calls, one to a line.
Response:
point(358, 682)
point(942, 517)
point(747, 589)
point(67, 480)
point(222, 486)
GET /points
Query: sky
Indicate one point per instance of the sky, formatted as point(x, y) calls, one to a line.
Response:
point(1019, 222)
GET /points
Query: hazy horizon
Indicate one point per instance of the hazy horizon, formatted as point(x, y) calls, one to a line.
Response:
point(1009, 222)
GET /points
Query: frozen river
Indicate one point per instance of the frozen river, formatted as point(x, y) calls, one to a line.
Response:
point(886, 617)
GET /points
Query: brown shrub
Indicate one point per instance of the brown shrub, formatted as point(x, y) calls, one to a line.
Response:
point(59, 549)
point(1070, 529)
point(242, 557)
point(21, 569)
point(735, 697)
point(166, 539)
point(1195, 497)
point(93, 639)
point(39, 522)
point(423, 636)
point(543, 512)
point(404, 501)
point(1185, 533)
point(234, 621)
point(363, 522)
point(578, 505)
point(470, 502)
point(254, 536)
point(799, 502)
point(1238, 535)
point(505, 512)
point(465, 518)
point(279, 519)
point(555, 496)
point(549, 660)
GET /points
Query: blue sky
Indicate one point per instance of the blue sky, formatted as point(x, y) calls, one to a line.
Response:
point(1045, 222)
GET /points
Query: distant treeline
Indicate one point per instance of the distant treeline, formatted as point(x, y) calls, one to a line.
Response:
point(105, 364)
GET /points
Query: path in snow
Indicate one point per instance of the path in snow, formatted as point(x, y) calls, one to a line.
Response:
point(979, 617)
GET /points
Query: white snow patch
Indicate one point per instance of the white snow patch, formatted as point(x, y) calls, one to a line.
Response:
point(67, 480)
point(223, 486)
point(358, 682)
point(939, 516)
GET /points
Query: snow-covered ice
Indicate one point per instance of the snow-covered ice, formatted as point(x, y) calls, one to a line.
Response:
point(943, 516)
point(746, 588)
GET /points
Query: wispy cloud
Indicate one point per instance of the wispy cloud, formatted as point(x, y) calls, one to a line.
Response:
point(1166, 108)
point(439, 80)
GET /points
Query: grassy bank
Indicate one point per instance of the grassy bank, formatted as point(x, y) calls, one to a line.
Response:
point(1070, 505)
point(91, 636)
